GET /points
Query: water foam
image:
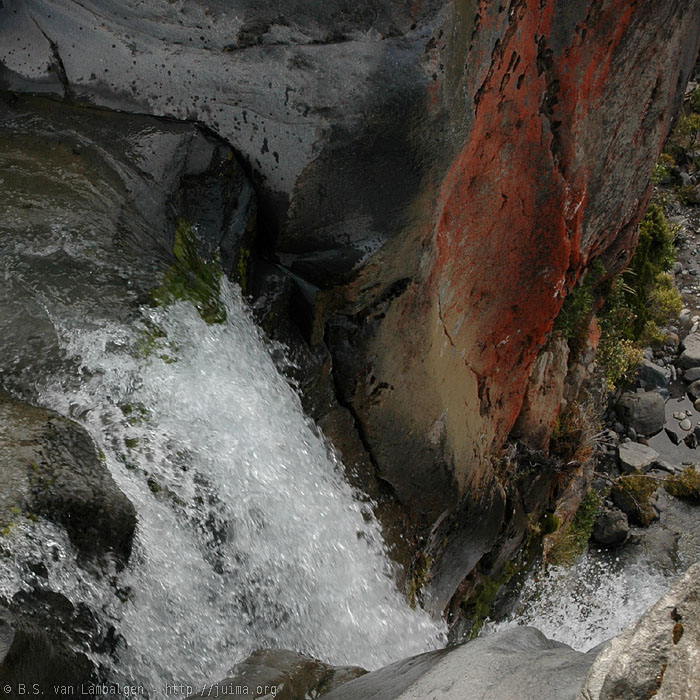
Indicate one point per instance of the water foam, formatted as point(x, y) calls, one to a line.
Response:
point(248, 535)
point(587, 603)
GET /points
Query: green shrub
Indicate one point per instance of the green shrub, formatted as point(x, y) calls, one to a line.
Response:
point(638, 301)
point(685, 485)
point(572, 540)
point(689, 129)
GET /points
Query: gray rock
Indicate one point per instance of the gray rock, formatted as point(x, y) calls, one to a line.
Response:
point(684, 316)
point(635, 457)
point(51, 469)
point(611, 527)
point(685, 424)
point(657, 657)
point(692, 374)
point(693, 390)
point(501, 666)
point(283, 674)
point(645, 412)
point(48, 637)
point(690, 357)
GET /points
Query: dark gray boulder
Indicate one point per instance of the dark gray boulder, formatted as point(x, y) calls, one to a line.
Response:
point(652, 375)
point(51, 469)
point(642, 411)
point(283, 674)
point(611, 527)
point(47, 643)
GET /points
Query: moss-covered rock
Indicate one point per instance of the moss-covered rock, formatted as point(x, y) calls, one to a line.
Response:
point(572, 539)
point(685, 485)
point(633, 494)
point(192, 277)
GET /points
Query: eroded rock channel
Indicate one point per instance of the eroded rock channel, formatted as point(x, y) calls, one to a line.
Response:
point(291, 357)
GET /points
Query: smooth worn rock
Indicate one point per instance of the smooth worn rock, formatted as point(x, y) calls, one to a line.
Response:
point(643, 411)
point(652, 375)
point(634, 457)
point(142, 175)
point(499, 666)
point(690, 357)
point(658, 656)
point(283, 674)
point(611, 527)
point(51, 468)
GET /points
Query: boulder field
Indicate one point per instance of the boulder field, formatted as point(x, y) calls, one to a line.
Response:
point(432, 180)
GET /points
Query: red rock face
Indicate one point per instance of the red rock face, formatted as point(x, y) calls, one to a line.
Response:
point(568, 108)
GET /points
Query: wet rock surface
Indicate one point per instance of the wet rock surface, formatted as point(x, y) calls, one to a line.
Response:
point(51, 469)
point(62, 165)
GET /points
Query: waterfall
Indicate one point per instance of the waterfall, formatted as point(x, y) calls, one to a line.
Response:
point(248, 535)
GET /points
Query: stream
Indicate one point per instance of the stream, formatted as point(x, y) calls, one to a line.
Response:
point(248, 535)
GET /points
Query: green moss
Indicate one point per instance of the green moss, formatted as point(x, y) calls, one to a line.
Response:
point(192, 278)
point(571, 541)
point(131, 443)
point(549, 523)
point(153, 485)
point(632, 494)
point(685, 485)
point(478, 606)
point(420, 577)
point(135, 413)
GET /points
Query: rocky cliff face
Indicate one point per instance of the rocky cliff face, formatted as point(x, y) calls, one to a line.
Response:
point(433, 179)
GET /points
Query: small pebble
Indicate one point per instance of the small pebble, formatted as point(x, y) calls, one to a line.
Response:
point(685, 424)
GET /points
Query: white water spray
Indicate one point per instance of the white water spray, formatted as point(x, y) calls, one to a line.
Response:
point(248, 536)
point(587, 603)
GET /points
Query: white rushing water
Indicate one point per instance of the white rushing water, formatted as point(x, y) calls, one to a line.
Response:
point(588, 603)
point(248, 535)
